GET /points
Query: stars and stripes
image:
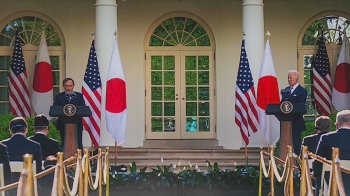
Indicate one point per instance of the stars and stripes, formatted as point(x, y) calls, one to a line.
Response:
point(18, 83)
point(92, 90)
point(246, 115)
point(322, 79)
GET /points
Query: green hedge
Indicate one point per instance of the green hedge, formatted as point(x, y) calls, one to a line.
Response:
point(5, 133)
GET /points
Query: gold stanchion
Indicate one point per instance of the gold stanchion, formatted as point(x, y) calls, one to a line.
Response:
point(100, 172)
point(272, 174)
point(81, 185)
point(333, 187)
point(303, 190)
point(28, 165)
point(260, 174)
point(61, 173)
point(107, 171)
point(291, 176)
point(86, 172)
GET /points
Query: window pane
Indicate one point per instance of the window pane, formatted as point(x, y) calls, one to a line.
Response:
point(203, 77)
point(169, 109)
point(5, 62)
point(308, 59)
point(191, 78)
point(191, 93)
point(169, 78)
point(169, 93)
point(156, 78)
point(4, 95)
point(191, 109)
point(308, 77)
point(156, 62)
point(157, 125)
point(203, 93)
point(191, 63)
point(4, 108)
point(204, 124)
point(169, 124)
point(55, 62)
point(203, 108)
point(157, 109)
point(191, 124)
point(157, 93)
point(3, 78)
point(203, 63)
point(56, 77)
point(169, 62)
point(56, 90)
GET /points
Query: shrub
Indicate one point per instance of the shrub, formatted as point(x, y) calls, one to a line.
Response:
point(5, 133)
point(168, 177)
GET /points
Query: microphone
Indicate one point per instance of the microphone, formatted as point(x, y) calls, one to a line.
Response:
point(287, 92)
point(283, 93)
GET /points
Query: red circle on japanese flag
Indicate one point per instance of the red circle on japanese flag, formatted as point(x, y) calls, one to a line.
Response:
point(42, 82)
point(342, 79)
point(116, 95)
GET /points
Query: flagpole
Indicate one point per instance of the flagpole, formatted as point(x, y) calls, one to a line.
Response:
point(246, 155)
point(115, 153)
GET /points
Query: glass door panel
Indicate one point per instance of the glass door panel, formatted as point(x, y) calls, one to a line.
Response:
point(197, 106)
point(162, 104)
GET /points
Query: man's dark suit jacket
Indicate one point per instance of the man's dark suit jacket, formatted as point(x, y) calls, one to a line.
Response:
point(61, 100)
point(311, 141)
point(18, 145)
point(4, 159)
point(337, 139)
point(298, 124)
point(48, 146)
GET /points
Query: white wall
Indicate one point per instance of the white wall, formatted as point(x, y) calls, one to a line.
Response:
point(284, 19)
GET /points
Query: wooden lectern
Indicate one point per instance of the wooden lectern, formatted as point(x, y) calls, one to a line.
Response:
point(286, 112)
point(70, 116)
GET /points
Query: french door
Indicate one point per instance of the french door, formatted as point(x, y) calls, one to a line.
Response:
point(180, 99)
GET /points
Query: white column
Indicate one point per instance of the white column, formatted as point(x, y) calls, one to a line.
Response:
point(106, 26)
point(253, 27)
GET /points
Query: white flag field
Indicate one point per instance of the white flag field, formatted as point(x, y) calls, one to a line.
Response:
point(42, 96)
point(268, 93)
point(116, 98)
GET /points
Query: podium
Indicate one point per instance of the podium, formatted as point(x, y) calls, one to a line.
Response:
point(286, 112)
point(70, 116)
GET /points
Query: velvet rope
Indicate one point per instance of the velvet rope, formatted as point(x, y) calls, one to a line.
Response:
point(266, 174)
point(22, 183)
point(285, 171)
point(66, 188)
point(54, 191)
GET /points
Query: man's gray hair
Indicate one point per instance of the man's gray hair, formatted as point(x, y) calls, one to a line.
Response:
point(294, 71)
point(343, 117)
point(323, 123)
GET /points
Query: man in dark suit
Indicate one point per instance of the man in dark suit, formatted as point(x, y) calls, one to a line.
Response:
point(18, 144)
point(337, 139)
point(322, 126)
point(49, 147)
point(4, 160)
point(49, 150)
point(298, 95)
point(75, 98)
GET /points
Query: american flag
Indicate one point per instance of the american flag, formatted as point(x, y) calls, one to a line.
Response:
point(92, 91)
point(322, 79)
point(18, 83)
point(246, 115)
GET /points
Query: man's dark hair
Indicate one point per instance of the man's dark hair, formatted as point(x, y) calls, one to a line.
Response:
point(40, 122)
point(66, 79)
point(323, 123)
point(18, 125)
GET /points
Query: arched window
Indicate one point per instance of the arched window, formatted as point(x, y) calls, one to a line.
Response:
point(333, 26)
point(180, 78)
point(29, 26)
